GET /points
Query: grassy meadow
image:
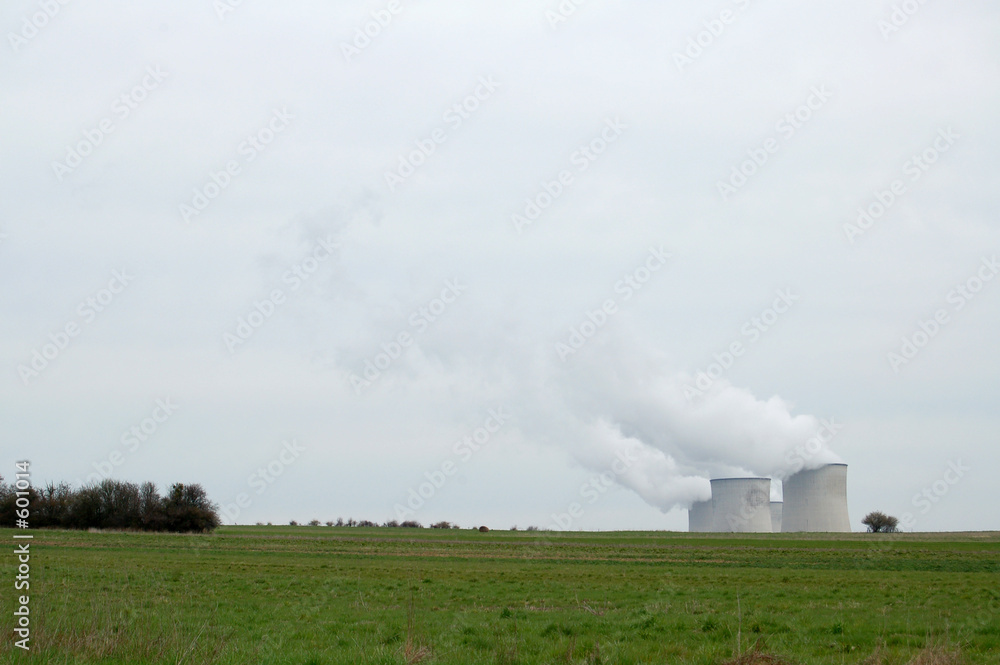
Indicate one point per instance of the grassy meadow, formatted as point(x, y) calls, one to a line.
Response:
point(326, 595)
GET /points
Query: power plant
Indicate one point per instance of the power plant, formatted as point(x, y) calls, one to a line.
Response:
point(776, 513)
point(741, 505)
point(700, 517)
point(814, 500)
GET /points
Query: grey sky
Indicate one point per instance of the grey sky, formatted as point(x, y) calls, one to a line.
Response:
point(620, 132)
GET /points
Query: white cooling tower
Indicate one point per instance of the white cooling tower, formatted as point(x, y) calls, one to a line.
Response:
point(741, 505)
point(776, 516)
point(700, 517)
point(816, 500)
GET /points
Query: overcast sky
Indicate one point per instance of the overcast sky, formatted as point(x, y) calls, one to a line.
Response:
point(324, 258)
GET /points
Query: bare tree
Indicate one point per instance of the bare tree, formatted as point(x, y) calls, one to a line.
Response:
point(879, 522)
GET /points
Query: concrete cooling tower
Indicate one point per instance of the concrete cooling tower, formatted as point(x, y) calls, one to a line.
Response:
point(776, 516)
point(741, 505)
point(816, 500)
point(700, 517)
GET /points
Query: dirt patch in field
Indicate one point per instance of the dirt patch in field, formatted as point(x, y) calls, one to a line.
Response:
point(758, 655)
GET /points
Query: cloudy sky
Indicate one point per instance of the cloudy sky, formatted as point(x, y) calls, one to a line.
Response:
point(440, 261)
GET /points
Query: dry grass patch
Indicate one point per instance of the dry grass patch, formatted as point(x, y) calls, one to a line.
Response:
point(938, 656)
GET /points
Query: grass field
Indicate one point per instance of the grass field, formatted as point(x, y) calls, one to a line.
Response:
point(320, 595)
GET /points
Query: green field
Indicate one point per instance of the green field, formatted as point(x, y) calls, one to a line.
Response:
point(321, 595)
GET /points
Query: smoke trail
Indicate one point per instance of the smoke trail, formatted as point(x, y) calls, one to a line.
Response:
point(616, 399)
point(730, 432)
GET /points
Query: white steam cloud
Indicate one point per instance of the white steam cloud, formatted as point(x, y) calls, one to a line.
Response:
point(615, 406)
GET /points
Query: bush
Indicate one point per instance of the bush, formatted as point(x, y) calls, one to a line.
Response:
point(8, 503)
point(879, 522)
point(441, 525)
point(85, 511)
point(410, 524)
point(313, 522)
point(151, 507)
point(187, 508)
point(114, 504)
point(118, 505)
point(52, 507)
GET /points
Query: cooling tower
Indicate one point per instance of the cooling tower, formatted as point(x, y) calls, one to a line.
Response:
point(776, 516)
point(700, 516)
point(816, 500)
point(741, 505)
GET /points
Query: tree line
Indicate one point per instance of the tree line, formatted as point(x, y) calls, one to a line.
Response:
point(412, 524)
point(113, 504)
